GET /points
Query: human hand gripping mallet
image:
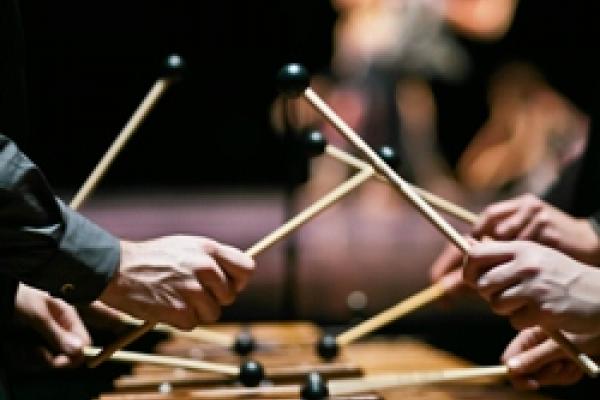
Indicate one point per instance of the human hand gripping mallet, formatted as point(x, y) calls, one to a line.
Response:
point(294, 81)
point(277, 235)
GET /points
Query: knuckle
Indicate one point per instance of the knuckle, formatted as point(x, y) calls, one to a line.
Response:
point(250, 264)
point(531, 200)
point(209, 246)
point(208, 266)
point(543, 218)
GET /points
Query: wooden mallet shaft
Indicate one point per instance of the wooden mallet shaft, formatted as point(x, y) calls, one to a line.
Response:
point(584, 361)
point(166, 361)
point(105, 353)
point(385, 317)
point(198, 333)
point(276, 374)
point(279, 234)
point(155, 93)
point(341, 387)
point(310, 212)
point(388, 381)
point(381, 167)
point(434, 200)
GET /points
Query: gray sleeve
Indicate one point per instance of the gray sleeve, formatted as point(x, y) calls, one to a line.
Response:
point(42, 242)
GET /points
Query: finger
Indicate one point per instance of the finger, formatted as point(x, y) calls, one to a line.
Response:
point(213, 279)
point(486, 255)
point(535, 358)
point(492, 214)
point(497, 279)
point(55, 329)
point(58, 361)
point(237, 265)
point(510, 227)
point(205, 306)
point(532, 231)
point(508, 302)
point(454, 287)
point(449, 260)
point(67, 317)
point(525, 340)
point(64, 361)
point(453, 281)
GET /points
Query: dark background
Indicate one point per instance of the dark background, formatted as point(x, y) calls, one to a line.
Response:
point(91, 63)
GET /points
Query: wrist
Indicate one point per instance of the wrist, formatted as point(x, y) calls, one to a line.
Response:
point(117, 291)
point(110, 293)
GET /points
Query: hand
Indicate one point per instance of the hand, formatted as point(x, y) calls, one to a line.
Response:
point(180, 280)
point(97, 316)
point(57, 322)
point(447, 268)
point(534, 360)
point(535, 285)
point(529, 218)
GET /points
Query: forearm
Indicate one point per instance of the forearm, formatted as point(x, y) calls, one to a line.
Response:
point(42, 242)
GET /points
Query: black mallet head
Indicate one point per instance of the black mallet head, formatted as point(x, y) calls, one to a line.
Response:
point(314, 387)
point(292, 80)
point(244, 343)
point(314, 143)
point(327, 348)
point(173, 67)
point(251, 373)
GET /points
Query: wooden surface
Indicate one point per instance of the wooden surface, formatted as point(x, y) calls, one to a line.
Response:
point(377, 355)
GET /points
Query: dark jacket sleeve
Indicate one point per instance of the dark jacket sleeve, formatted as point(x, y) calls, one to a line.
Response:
point(45, 244)
point(8, 289)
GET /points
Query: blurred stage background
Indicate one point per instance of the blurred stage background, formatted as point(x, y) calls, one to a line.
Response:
point(210, 159)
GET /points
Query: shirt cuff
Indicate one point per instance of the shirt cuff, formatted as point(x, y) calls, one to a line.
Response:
point(85, 262)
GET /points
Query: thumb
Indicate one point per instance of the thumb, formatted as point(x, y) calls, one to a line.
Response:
point(64, 330)
point(62, 340)
point(535, 358)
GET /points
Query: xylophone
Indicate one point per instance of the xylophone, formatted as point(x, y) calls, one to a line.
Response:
point(290, 344)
